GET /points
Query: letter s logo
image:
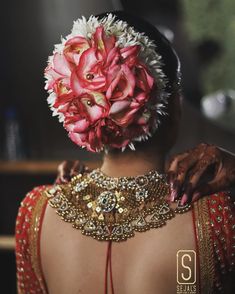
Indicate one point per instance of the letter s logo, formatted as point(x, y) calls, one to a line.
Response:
point(186, 267)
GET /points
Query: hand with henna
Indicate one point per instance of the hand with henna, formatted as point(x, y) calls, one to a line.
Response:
point(68, 169)
point(203, 170)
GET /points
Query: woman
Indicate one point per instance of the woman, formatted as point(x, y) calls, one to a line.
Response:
point(114, 89)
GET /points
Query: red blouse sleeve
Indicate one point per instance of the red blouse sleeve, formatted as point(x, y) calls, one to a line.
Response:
point(214, 220)
point(28, 226)
point(222, 215)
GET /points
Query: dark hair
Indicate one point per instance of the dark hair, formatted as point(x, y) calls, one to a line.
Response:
point(171, 63)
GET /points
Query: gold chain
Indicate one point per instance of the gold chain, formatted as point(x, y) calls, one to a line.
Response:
point(109, 208)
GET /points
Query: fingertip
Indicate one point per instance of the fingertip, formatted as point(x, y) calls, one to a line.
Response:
point(168, 198)
point(65, 164)
point(58, 181)
point(184, 199)
point(173, 195)
point(64, 179)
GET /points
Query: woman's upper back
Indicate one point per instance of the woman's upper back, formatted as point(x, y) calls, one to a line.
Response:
point(143, 264)
point(73, 263)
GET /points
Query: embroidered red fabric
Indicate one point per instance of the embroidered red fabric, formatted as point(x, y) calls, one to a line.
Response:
point(222, 215)
point(27, 279)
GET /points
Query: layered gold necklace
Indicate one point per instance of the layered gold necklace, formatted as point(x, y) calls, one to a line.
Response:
point(108, 208)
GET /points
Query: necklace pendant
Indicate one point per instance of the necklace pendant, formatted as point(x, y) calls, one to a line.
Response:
point(118, 231)
point(102, 232)
point(80, 186)
point(101, 217)
point(182, 208)
point(141, 224)
point(128, 229)
point(141, 181)
point(71, 215)
point(79, 222)
point(156, 221)
point(165, 211)
point(107, 201)
point(63, 207)
point(141, 194)
point(89, 226)
point(55, 201)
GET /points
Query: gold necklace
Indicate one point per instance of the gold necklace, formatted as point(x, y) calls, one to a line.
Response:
point(108, 208)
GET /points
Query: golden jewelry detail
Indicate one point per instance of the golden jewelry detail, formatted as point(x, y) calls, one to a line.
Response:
point(109, 208)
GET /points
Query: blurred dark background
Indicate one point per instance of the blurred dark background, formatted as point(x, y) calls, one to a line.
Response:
point(32, 142)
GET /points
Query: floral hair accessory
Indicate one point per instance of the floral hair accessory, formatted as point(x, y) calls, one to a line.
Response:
point(106, 84)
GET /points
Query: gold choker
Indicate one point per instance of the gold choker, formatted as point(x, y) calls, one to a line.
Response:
point(108, 208)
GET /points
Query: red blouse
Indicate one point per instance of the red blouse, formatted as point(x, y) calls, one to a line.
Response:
point(214, 226)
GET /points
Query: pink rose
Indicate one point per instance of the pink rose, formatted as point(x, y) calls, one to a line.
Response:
point(58, 70)
point(144, 80)
point(124, 112)
point(122, 86)
point(103, 43)
point(130, 55)
point(74, 48)
point(91, 139)
point(88, 76)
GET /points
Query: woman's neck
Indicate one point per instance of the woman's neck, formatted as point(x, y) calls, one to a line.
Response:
point(130, 163)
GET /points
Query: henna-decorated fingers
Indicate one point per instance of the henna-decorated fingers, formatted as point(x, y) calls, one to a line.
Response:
point(202, 171)
point(183, 168)
point(196, 175)
point(76, 168)
point(64, 172)
point(173, 165)
point(187, 169)
point(209, 158)
point(172, 173)
point(180, 166)
point(68, 169)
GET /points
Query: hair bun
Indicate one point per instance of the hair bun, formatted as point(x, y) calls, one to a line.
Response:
point(107, 82)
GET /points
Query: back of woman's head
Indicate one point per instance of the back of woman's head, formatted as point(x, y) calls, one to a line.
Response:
point(112, 82)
